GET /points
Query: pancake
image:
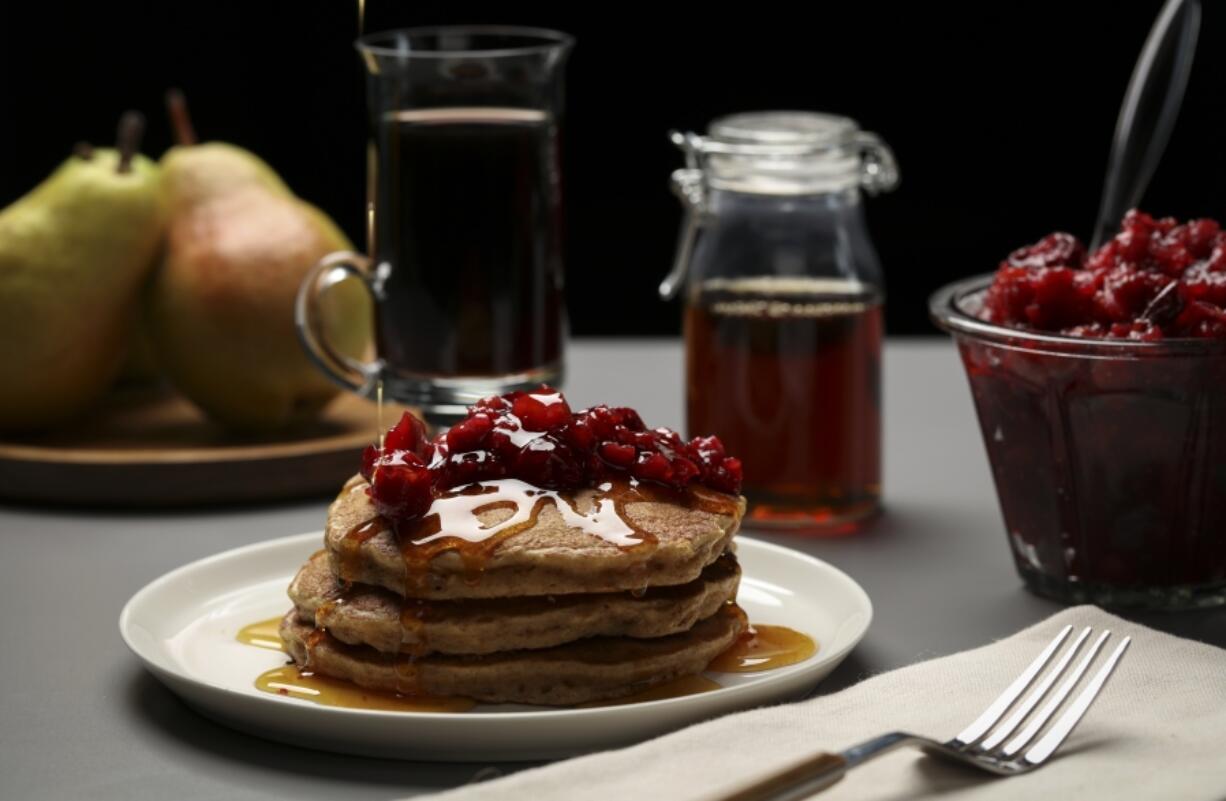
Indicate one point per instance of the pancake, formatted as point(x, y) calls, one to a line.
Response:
point(362, 615)
point(548, 557)
point(594, 669)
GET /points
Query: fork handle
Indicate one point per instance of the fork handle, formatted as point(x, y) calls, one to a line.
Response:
point(799, 781)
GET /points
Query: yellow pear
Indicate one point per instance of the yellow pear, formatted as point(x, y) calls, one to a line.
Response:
point(221, 307)
point(74, 253)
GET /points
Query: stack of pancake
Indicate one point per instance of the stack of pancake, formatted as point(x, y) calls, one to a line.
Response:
point(543, 612)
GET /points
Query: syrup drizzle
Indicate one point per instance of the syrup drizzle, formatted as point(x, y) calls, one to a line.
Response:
point(456, 515)
point(350, 547)
point(460, 521)
point(407, 682)
point(763, 648)
point(292, 682)
point(263, 634)
point(302, 683)
point(379, 429)
point(455, 523)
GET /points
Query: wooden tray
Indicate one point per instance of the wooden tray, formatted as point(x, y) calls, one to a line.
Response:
point(153, 448)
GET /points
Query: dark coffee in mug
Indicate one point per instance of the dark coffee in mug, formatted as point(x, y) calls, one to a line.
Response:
point(469, 263)
point(465, 262)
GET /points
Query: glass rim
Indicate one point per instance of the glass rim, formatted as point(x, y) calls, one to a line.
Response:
point(548, 40)
point(944, 308)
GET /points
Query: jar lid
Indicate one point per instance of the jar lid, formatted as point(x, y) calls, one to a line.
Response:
point(789, 152)
point(808, 129)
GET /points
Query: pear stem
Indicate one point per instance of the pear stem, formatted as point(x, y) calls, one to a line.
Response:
point(83, 150)
point(176, 107)
point(131, 129)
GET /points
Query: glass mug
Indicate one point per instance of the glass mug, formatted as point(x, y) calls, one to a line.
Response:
point(465, 268)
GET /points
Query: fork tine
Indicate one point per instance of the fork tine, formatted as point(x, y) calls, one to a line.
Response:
point(998, 707)
point(1052, 740)
point(1032, 728)
point(1013, 721)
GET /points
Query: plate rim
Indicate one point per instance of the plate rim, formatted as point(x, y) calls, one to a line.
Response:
point(729, 693)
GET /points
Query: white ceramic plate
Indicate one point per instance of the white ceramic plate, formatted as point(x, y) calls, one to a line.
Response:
point(183, 627)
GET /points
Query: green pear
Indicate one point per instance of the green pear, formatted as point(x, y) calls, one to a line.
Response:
point(74, 253)
point(221, 307)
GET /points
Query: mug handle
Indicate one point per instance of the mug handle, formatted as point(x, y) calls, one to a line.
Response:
point(352, 374)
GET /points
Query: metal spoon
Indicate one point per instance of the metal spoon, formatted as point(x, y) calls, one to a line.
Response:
point(1148, 113)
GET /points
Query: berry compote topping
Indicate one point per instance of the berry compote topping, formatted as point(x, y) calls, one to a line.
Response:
point(535, 437)
point(1155, 279)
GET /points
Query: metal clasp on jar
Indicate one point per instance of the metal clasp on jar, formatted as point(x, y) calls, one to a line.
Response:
point(876, 172)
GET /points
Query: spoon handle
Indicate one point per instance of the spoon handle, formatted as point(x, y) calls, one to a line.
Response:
point(1148, 113)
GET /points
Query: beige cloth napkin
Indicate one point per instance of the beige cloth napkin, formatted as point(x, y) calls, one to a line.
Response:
point(1157, 730)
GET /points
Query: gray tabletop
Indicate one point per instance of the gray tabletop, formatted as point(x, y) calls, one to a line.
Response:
point(80, 718)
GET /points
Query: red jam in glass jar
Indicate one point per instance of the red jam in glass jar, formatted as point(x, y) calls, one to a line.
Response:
point(1100, 384)
point(1155, 280)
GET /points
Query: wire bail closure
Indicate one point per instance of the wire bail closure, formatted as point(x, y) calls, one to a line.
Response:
point(877, 172)
point(690, 186)
point(878, 167)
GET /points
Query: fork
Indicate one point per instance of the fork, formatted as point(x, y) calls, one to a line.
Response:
point(983, 743)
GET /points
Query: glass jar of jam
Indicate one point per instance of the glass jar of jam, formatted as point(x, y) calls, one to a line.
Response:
point(783, 309)
point(1099, 380)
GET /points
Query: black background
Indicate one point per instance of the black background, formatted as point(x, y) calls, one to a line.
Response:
point(1000, 114)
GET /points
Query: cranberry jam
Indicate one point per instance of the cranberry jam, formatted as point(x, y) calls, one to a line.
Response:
point(535, 437)
point(1100, 385)
point(1155, 279)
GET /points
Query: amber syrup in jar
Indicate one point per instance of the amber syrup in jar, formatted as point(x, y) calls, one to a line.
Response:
point(783, 322)
point(786, 371)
